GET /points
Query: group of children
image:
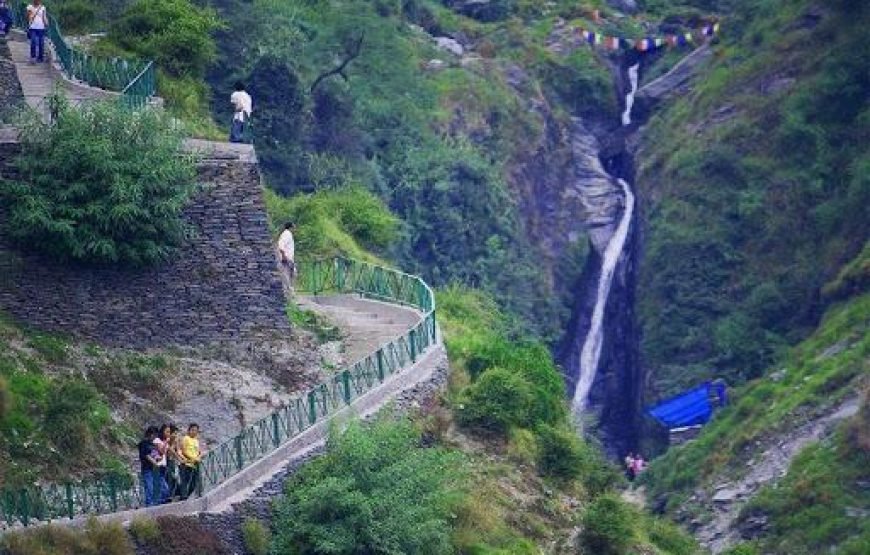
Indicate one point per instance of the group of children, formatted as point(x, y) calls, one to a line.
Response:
point(170, 464)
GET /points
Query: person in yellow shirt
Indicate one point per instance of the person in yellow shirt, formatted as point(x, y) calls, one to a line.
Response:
point(191, 455)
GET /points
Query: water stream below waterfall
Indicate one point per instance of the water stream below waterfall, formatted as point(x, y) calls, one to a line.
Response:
point(590, 354)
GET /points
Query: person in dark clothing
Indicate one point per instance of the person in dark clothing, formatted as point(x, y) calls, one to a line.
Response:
point(5, 18)
point(149, 457)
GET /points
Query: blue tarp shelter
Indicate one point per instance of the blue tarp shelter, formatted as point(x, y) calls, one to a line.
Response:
point(691, 407)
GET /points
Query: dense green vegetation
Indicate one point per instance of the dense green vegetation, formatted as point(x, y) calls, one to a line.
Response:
point(49, 424)
point(755, 208)
point(177, 34)
point(815, 376)
point(349, 221)
point(424, 486)
point(436, 145)
point(99, 185)
point(820, 505)
point(375, 491)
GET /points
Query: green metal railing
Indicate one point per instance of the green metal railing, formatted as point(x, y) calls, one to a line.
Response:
point(337, 275)
point(136, 80)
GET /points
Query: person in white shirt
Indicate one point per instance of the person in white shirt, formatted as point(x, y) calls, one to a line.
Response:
point(242, 109)
point(37, 23)
point(287, 257)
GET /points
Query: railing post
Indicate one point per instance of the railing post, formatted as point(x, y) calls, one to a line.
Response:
point(70, 507)
point(237, 441)
point(113, 490)
point(24, 511)
point(276, 430)
point(412, 337)
point(380, 357)
point(345, 377)
point(312, 407)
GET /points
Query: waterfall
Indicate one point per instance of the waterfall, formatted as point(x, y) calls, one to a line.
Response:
point(629, 98)
point(591, 352)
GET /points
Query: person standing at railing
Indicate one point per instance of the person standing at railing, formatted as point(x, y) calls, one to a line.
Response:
point(5, 18)
point(287, 257)
point(37, 24)
point(192, 455)
point(243, 106)
point(149, 457)
point(174, 459)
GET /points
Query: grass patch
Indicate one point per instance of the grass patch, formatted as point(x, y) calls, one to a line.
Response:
point(817, 374)
point(313, 322)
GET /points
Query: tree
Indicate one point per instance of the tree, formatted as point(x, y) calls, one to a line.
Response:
point(100, 185)
point(175, 33)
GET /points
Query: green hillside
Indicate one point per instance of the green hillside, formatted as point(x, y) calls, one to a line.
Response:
point(757, 188)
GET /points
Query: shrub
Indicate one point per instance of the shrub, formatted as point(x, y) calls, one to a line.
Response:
point(175, 33)
point(101, 185)
point(75, 16)
point(5, 398)
point(559, 452)
point(73, 413)
point(257, 537)
point(96, 539)
point(607, 527)
point(375, 491)
point(144, 530)
point(497, 401)
point(742, 549)
point(670, 538)
point(330, 222)
point(522, 446)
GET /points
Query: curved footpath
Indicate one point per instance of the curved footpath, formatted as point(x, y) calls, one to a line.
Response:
point(368, 324)
point(40, 80)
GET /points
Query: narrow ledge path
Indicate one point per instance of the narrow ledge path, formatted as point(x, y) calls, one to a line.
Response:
point(368, 324)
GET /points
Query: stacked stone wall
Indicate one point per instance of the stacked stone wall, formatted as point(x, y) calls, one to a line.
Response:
point(222, 286)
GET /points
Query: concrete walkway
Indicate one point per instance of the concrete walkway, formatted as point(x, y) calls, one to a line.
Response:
point(368, 324)
point(365, 324)
point(39, 80)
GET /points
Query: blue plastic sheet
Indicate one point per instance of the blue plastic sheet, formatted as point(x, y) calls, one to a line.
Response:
point(690, 407)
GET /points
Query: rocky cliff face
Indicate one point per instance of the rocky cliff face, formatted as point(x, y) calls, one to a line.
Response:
point(569, 196)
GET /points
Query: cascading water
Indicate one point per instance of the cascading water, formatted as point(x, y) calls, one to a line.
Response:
point(591, 351)
point(629, 98)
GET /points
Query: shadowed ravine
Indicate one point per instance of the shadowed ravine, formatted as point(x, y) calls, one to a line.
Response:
point(599, 352)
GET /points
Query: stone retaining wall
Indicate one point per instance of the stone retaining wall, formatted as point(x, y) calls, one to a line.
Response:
point(222, 286)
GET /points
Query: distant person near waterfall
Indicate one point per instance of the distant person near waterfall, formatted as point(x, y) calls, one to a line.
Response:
point(287, 257)
point(243, 106)
point(37, 20)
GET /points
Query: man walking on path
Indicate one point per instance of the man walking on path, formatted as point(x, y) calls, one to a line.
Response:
point(37, 19)
point(287, 257)
point(191, 455)
point(242, 109)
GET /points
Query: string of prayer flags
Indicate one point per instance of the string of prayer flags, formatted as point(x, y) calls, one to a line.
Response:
point(647, 44)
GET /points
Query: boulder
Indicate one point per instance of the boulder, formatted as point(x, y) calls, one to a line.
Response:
point(450, 45)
